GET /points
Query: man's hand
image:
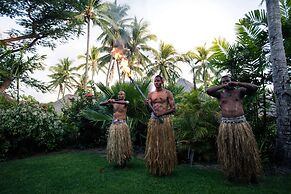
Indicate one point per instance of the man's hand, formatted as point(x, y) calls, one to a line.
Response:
point(156, 114)
point(110, 100)
point(232, 84)
point(146, 101)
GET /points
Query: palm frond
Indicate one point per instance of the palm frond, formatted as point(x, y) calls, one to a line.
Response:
point(106, 90)
point(95, 116)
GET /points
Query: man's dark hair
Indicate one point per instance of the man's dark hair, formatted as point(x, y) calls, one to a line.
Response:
point(225, 76)
point(159, 76)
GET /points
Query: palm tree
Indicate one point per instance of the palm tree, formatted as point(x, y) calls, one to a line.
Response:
point(93, 62)
point(189, 59)
point(226, 57)
point(281, 81)
point(246, 60)
point(116, 24)
point(137, 45)
point(116, 32)
point(80, 83)
point(63, 76)
point(165, 63)
point(204, 68)
point(93, 11)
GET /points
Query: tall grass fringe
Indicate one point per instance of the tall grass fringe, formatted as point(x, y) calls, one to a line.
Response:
point(119, 147)
point(238, 152)
point(160, 153)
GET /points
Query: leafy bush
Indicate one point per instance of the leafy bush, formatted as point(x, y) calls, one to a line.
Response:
point(5, 103)
point(87, 134)
point(27, 128)
point(196, 124)
point(260, 112)
point(137, 114)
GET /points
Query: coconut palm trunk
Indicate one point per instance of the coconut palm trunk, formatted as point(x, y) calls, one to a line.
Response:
point(118, 71)
point(59, 93)
point(17, 88)
point(204, 78)
point(194, 80)
point(281, 82)
point(92, 76)
point(108, 71)
point(87, 54)
point(194, 76)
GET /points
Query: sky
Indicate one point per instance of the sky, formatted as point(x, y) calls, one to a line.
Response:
point(186, 24)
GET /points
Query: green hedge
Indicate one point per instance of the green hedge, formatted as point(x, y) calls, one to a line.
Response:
point(27, 128)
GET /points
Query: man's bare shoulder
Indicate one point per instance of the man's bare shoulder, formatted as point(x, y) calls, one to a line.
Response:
point(150, 94)
point(168, 92)
point(218, 94)
point(241, 89)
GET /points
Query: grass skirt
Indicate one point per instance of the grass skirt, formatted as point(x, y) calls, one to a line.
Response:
point(160, 152)
point(119, 148)
point(238, 152)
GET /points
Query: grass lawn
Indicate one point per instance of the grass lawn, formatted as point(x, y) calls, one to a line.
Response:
point(88, 172)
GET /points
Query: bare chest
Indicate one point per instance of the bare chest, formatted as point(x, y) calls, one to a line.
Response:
point(159, 97)
point(119, 107)
point(230, 97)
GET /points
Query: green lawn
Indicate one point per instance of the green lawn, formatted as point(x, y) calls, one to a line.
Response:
point(88, 172)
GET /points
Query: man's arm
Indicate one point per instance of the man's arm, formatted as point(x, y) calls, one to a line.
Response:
point(247, 88)
point(120, 102)
point(112, 101)
point(105, 102)
point(148, 103)
point(214, 91)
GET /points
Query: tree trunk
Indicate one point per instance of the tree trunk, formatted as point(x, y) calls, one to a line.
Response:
point(108, 71)
point(64, 95)
point(87, 54)
point(281, 82)
point(59, 93)
point(17, 88)
point(264, 102)
point(118, 71)
point(6, 83)
point(92, 77)
point(18, 38)
point(194, 79)
point(204, 79)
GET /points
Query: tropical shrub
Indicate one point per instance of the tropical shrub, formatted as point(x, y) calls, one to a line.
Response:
point(137, 114)
point(260, 112)
point(27, 128)
point(6, 103)
point(196, 124)
point(85, 132)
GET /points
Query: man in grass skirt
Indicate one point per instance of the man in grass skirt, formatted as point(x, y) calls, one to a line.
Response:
point(237, 148)
point(160, 154)
point(119, 148)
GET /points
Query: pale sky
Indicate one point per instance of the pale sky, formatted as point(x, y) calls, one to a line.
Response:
point(185, 24)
